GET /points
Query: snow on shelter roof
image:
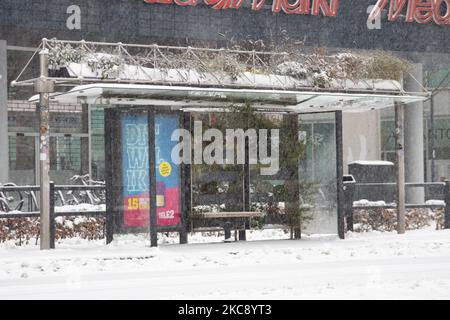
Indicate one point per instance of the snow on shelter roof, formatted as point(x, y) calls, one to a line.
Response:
point(205, 98)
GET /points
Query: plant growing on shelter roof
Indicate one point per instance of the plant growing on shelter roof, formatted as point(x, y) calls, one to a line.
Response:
point(61, 55)
point(316, 68)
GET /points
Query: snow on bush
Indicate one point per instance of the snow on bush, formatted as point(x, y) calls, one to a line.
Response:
point(208, 208)
point(293, 69)
point(106, 66)
point(321, 79)
point(377, 219)
point(323, 69)
point(24, 231)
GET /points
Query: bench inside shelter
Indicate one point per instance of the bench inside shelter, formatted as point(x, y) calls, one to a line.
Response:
point(237, 221)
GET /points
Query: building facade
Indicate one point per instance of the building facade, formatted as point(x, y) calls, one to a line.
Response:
point(333, 25)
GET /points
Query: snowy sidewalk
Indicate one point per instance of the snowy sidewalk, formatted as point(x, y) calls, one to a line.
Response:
point(375, 265)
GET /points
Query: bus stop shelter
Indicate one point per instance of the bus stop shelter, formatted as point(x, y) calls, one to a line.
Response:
point(162, 94)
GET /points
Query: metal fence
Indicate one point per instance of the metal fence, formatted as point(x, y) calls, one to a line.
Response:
point(433, 190)
point(28, 199)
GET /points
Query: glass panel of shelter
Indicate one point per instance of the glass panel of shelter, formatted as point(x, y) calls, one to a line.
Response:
point(316, 177)
point(216, 187)
point(131, 181)
point(318, 171)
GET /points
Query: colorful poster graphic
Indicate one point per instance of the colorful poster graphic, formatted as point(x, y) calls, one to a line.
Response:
point(167, 173)
point(135, 168)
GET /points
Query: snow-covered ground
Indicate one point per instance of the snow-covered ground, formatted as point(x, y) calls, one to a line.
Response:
point(371, 265)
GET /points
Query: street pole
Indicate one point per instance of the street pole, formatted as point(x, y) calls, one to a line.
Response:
point(152, 171)
point(431, 140)
point(414, 137)
point(400, 167)
point(43, 86)
point(4, 161)
point(340, 197)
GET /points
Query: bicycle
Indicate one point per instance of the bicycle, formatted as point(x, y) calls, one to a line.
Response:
point(7, 200)
point(88, 196)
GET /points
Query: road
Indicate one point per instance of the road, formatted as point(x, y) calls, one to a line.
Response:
point(388, 267)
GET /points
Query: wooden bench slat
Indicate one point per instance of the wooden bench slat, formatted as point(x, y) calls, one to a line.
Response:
point(207, 229)
point(215, 215)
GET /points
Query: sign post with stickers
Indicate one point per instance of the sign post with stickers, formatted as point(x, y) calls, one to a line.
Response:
point(149, 196)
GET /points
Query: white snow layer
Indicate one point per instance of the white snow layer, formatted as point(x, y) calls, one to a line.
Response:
point(435, 203)
point(367, 203)
point(193, 77)
point(373, 162)
point(368, 266)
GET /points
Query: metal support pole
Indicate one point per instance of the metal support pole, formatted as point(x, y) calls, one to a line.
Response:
point(289, 163)
point(152, 171)
point(52, 215)
point(4, 161)
point(340, 176)
point(400, 166)
point(294, 124)
point(431, 140)
point(85, 143)
point(246, 191)
point(349, 191)
point(185, 122)
point(188, 181)
point(413, 127)
point(43, 86)
point(227, 230)
point(109, 175)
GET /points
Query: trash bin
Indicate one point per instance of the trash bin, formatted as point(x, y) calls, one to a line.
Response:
point(349, 191)
point(379, 172)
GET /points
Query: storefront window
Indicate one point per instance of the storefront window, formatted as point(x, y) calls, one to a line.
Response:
point(434, 79)
point(388, 140)
point(71, 122)
point(441, 135)
point(69, 157)
point(97, 119)
point(22, 160)
point(22, 121)
point(97, 144)
point(98, 157)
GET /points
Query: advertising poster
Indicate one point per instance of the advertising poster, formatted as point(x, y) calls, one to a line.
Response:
point(135, 168)
point(135, 164)
point(167, 173)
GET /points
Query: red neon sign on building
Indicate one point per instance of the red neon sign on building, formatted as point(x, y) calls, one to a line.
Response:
point(420, 11)
point(328, 8)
